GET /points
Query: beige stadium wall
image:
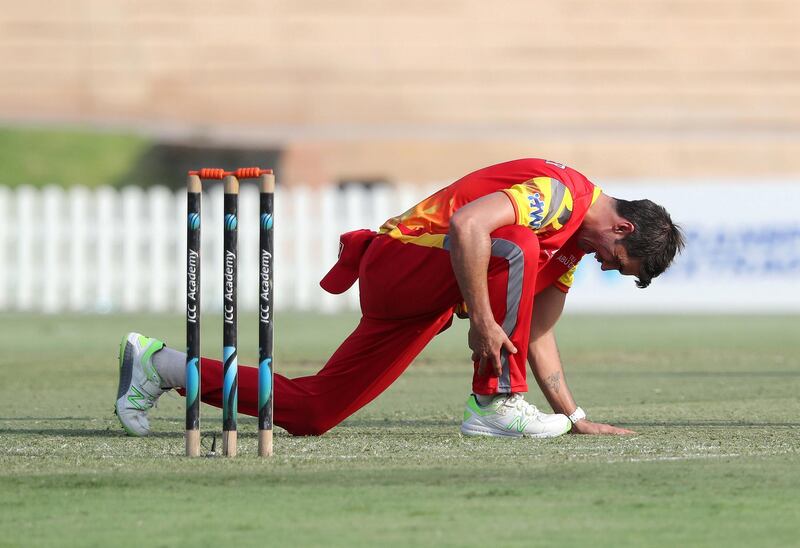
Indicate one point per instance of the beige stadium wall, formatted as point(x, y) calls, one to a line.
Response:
point(424, 90)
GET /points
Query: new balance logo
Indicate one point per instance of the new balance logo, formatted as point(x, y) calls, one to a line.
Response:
point(137, 399)
point(519, 424)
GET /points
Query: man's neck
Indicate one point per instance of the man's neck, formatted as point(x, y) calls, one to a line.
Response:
point(601, 209)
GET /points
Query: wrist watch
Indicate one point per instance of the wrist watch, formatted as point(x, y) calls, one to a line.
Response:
point(577, 415)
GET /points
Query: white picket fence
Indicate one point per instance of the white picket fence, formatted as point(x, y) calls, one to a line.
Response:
point(109, 249)
point(124, 250)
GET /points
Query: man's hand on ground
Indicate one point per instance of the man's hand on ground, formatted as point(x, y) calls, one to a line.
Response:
point(588, 427)
point(486, 341)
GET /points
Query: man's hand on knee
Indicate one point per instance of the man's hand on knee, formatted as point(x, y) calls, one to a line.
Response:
point(486, 340)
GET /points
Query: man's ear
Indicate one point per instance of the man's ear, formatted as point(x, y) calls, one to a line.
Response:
point(623, 227)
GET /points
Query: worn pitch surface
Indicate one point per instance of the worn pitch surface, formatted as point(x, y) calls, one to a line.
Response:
point(714, 399)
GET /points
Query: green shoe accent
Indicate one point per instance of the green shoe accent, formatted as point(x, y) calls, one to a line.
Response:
point(519, 424)
point(136, 399)
point(147, 358)
point(472, 404)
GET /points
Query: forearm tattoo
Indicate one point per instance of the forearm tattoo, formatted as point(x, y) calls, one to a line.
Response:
point(554, 382)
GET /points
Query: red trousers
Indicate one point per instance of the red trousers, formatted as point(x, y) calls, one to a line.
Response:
point(408, 295)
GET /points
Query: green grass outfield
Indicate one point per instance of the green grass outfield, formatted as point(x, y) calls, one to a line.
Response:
point(715, 463)
point(64, 157)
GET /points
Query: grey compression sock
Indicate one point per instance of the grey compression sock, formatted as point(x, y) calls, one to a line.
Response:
point(171, 367)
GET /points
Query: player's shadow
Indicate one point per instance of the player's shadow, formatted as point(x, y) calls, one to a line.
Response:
point(705, 423)
point(247, 427)
point(397, 423)
point(711, 423)
point(58, 430)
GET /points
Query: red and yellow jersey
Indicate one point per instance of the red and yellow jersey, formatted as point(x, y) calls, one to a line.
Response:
point(549, 198)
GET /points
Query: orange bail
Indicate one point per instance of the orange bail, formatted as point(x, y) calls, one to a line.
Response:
point(240, 173)
point(250, 172)
point(209, 173)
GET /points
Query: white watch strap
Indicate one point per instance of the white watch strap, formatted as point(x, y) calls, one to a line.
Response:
point(577, 415)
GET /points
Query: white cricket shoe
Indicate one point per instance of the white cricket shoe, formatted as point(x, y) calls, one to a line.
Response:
point(139, 383)
point(509, 415)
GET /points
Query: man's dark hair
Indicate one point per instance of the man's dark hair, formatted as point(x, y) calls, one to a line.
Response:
point(655, 239)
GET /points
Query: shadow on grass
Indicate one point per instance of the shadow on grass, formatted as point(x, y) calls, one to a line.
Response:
point(247, 426)
point(398, 423)
point(82, 432)
point(712, 423)
point(691, 374)
point(247, 422)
